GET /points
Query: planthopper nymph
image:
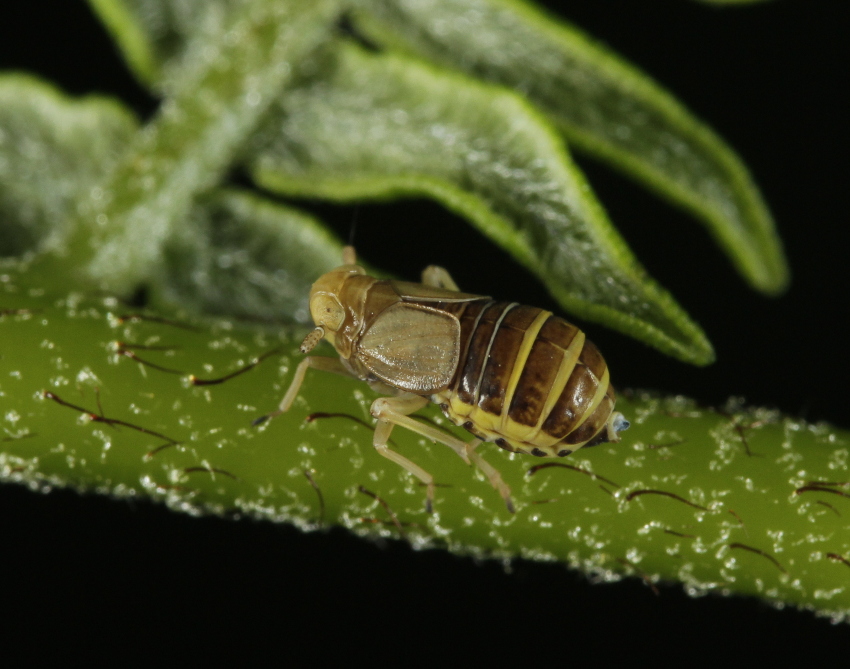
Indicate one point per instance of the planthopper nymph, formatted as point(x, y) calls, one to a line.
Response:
point(510, 374)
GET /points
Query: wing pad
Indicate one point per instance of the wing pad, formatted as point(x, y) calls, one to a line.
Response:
point(412, 347)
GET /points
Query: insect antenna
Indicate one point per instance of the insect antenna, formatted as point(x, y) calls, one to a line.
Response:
point(312, 339)
point(353, 227)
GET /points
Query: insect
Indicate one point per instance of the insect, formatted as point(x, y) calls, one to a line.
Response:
point(510, 374)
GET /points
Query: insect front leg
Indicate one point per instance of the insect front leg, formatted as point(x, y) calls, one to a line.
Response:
point(490, 472)
point(438, 277)
point(316, 362)
point(392, 411)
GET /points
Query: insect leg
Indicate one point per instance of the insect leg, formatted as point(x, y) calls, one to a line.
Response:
point(490, 472)
point(438, 277)
point(396, 410)
point(349, 255)
point(382, 435)
point(392, 411)
point(316, 362)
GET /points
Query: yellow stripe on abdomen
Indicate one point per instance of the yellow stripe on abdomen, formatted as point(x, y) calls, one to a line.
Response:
point(506, 424)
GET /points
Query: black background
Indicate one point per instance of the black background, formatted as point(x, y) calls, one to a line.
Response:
point(89, 577)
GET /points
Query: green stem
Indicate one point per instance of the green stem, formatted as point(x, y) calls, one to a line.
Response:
point(213, 107)
point(98, 397)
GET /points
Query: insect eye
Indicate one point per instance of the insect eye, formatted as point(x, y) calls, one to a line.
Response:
point(327, 311)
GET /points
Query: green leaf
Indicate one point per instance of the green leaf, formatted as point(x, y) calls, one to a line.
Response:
point(53, 149)
point(602, 104)
point(739, 501)
point(226, 81)
point(161, 39)
point(135, 27)
point(246, 256)
point(235, 253)
point(387, 126)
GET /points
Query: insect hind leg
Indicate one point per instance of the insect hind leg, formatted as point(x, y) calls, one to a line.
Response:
point(491, 473)
point(392, 411)
point(382, 435)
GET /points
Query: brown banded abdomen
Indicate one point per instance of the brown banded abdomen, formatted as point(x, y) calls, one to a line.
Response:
point(527, 380)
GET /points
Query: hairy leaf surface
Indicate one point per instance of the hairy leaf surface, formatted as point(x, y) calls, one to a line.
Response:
point(159, 405)
point(249, 257)
point(601, 103)
point(53, 150)
point(382, 126)
point(227, 80)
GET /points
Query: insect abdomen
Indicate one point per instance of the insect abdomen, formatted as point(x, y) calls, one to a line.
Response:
point(527, 380)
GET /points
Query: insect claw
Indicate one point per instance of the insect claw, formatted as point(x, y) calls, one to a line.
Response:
point(510, 504)
point(260, 420)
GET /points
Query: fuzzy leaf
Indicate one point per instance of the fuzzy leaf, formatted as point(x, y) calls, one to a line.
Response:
point(387, 126)
point(246, 256)
point(226, 81)
point(157, 37)
point(134, 27)
point(52, 150)
point(235, 253)
point(735, 502)
point(602, 104)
